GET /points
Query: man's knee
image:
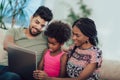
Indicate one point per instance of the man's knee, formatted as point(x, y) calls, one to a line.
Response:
point(10, 76)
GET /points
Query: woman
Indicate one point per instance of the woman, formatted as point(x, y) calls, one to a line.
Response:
point(85, 57)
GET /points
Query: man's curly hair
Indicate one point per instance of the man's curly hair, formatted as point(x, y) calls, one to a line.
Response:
point(58, 30)
point(44, 12)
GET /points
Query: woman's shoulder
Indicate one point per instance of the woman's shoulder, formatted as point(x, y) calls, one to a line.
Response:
point(97, 50)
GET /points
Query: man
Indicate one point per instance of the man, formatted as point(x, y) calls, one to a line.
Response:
point(31, 38)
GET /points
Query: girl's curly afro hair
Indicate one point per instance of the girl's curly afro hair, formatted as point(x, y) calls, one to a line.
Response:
point(58, 30)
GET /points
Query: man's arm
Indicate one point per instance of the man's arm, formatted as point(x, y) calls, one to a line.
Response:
point(9, 40)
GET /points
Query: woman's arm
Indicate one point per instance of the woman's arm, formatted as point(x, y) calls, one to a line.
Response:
point(63, 61)
point(83, 75)
point(87, 71)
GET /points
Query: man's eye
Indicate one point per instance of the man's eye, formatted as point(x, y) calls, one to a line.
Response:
point(37, 22)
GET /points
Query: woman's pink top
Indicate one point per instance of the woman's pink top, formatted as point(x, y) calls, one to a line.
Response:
point(52, 64)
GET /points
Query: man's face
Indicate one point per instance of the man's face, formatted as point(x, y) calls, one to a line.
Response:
point(36, 25)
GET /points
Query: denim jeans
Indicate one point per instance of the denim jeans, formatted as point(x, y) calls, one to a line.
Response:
point(6, 75)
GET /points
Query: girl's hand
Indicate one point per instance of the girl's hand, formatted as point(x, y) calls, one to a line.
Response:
point(41, 75)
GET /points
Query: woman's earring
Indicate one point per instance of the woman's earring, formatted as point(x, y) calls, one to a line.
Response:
point(87, 42)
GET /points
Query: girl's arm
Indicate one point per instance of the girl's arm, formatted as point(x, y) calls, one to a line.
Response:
point(36, 73)
point(63, 61)
point(41, 62)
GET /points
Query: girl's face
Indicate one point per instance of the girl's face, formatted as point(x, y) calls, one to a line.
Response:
point(53, 44)
point(78, 37)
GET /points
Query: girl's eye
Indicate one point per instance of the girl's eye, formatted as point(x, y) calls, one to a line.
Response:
point(51, 43)
point(77, 35)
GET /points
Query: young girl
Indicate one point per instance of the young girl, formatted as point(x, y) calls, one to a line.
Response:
point(85, 57)
point(54, 59)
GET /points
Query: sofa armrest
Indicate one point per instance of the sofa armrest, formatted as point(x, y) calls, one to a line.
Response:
point(110, 70)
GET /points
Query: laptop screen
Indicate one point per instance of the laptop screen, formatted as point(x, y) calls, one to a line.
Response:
point(22, 61)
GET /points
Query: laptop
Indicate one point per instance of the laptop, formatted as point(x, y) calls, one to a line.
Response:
point(22, 61)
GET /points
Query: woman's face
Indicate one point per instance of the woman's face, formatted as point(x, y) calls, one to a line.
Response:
point(78, 37)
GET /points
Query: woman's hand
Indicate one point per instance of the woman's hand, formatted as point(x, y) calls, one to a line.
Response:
point(39, 74)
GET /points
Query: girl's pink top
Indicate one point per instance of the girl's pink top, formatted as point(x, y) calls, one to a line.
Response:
point(52, 64)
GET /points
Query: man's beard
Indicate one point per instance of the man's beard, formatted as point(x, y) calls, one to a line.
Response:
point(36, 34)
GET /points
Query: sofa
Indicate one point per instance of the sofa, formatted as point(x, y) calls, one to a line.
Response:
point(110, 70)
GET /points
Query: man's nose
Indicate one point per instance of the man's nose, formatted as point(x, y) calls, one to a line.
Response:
point(39, 27)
